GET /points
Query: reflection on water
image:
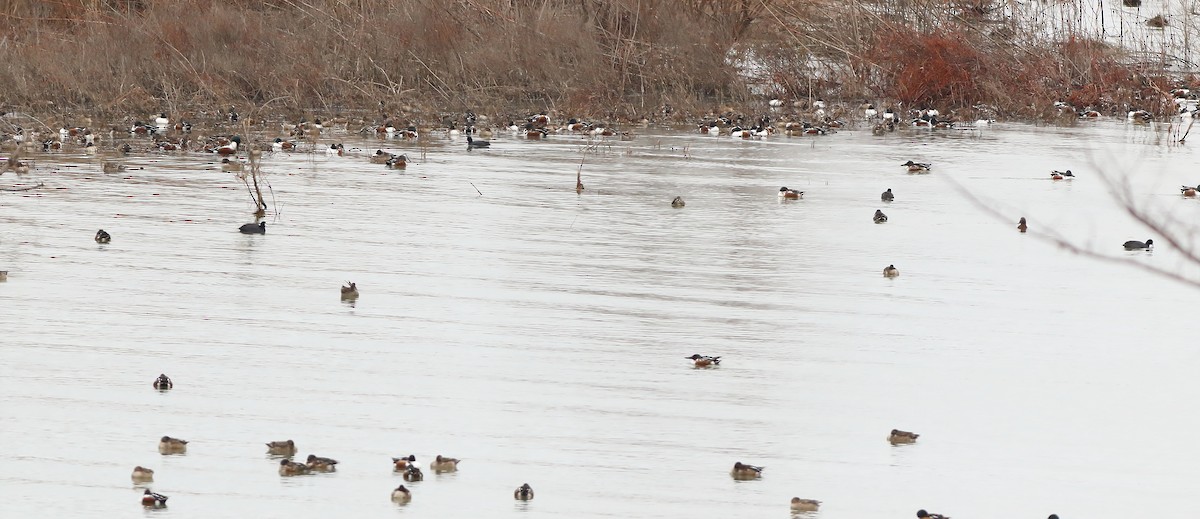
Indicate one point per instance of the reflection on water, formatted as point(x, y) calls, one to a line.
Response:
point(539, 333)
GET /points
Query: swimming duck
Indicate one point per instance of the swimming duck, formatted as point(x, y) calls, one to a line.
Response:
point(142, 475)
point(703, 361)
point(917, 166)
point(231, 165)
point(3, 275)
point(1188, 191)
point(472, 143)
point(380, 157)
point(19, 166)
point(229, 148)
point(1137, 245)
point(805, 505)
point(253, 228)
point(112, 167)
point(335, 150)
point(103, 237)
point(879, 217)
point(413, 473)
point(408, 133)
point(51, 144)
point(891, 271)
point(282, 145)
point(790, 194)
point(152, 499)
point(1021, 225)
point(887, 196)
point(291, 468)
point(897, 437)
point(523, 493)
point(677, 202)
point(1140, 116)
point(397, 162)
point(444, 464)
point(401, 495)
point(534, 133)
point(709, 128)
point(169, 445)
point(737, 132)
point(140, 128)
point(744, 471)
point(1059, 175)
point(161, 121)
point(350, 292)
point(870, 112)
point(285, 447)
point(540, 119)
point(321, 464)
point(922, 514)
point(163, 382)
point(401, 464)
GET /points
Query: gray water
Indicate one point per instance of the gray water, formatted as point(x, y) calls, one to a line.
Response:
point(540, 335)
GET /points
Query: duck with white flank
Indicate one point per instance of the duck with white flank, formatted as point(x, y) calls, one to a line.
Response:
point(1060, 175)
point(704, 361)
point(917, 167)
point(151, 499)
point(790, 194)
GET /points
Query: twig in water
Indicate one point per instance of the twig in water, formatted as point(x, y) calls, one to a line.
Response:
point(1189, 129)
point(29, 188)
point(476, 189)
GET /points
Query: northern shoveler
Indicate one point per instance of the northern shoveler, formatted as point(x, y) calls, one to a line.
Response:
point(320, 464)
point(413, 473)
point(285, 447)
point(1021, 225)
point(152, 499)
point(253, 228)
point(703, 361)
point(744, 471)
point(887, 196)
point(401, 464)
point(169, 445)
point(142, 475)
point(229, 148)
point(1188, 190)
point(111, 167)
point(891, 271)
point(805, 505)
point(922, 514)
point(523, 492)
point(879, 217)
point(790, 194)
point(677, 202)
point(163, 382)
point(1059, 175)
point(444, 464)
point(350, 291)
point(539, 119)
point(161, 121)
point(397, 162)
point(1137, 245)
point(337, 150)
point(897, 437)
point(291, 468)
point(282, 145)
point(103, 237)
point(1140, 116)
point(380, 157)
point(232, 165)
point(916, 167)
point(401, 494)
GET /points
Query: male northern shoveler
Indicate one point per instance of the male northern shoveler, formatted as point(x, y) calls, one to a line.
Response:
point(703, 361)
point(291, 468)
point(229, 148)
point(539, 119)
point(408, 133)
point(1137, 245)
point(444, 464)
point(523, 493)
point(142, 475)
point(401, 464)
point(350, 291)
point(169, 445)
point(1188, 190)
point(917, 167)
point(790, 194)
point(887, 196)
point(1021, 225)
point(253, 228)
point(152, 499)
point(891, 271)
point(805, 505)
point(401, 494)
point(335, 150)
point(163, 382)
point(282, 145)
point(535, 133)
point(744, 471)
point(897, 437)
point(737, 132)
point(161, 121)
point(285, 447)
point(397, 162)
point(1059, 175)
point(320, 464)
point(879, 217)
point(677, 202)
point(922, 514)
point(413, 473)
point(103, 237)
point(473, 143)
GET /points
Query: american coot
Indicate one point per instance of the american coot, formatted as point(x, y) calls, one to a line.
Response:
point(472, 143)
point(879, 216)
point(1137, 245)
point(254, 228)
point(1021, 226)
point(790, 194)
point(677, 202)
point(103, 237)
point(887, 196)
point(917, 166)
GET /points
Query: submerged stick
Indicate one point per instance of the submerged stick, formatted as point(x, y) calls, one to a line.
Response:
point(476, 189)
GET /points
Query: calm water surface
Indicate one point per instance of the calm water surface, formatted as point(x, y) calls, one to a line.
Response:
point(539, 334)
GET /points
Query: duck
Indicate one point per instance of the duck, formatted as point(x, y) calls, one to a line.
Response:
point(444, 464)
point(152, 499)
point(677, 202)
point(870, 112)
point(381, 157)
point(1188, 191)
point(897, 437)
point(401, 495)
point(163, 382)
point(891, 271)
point(3, 275)
point(1021, 225)
point(350, 291)
point(790, 194)
point(335, 150)
point(915, 167)
point(169, 445)
point(539, 119)
point(473, 143)
point(737, 132)
point(704, 361)
point(229, 148)
point(142, 475)
point(709, 128)
point(408, 133)
point(286, 447)
point(1059, 175)
point(879, 217)
point(413, 473)
point(231, 165)
point(1140, 116)
point(523, 493)
point(281, 145)
point(291, 468)
point(401, 464)
point(805, 505)
point(397, 162)
point(320, 464)
point(744, 471)
point(112, 167)
point(161, 121)
point(19, 166)
point(1137, 245)
point(922, 514)
point(253, 228)
point(534, 133)
point(887, 196)
point(103, 237)
point(140, 128)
